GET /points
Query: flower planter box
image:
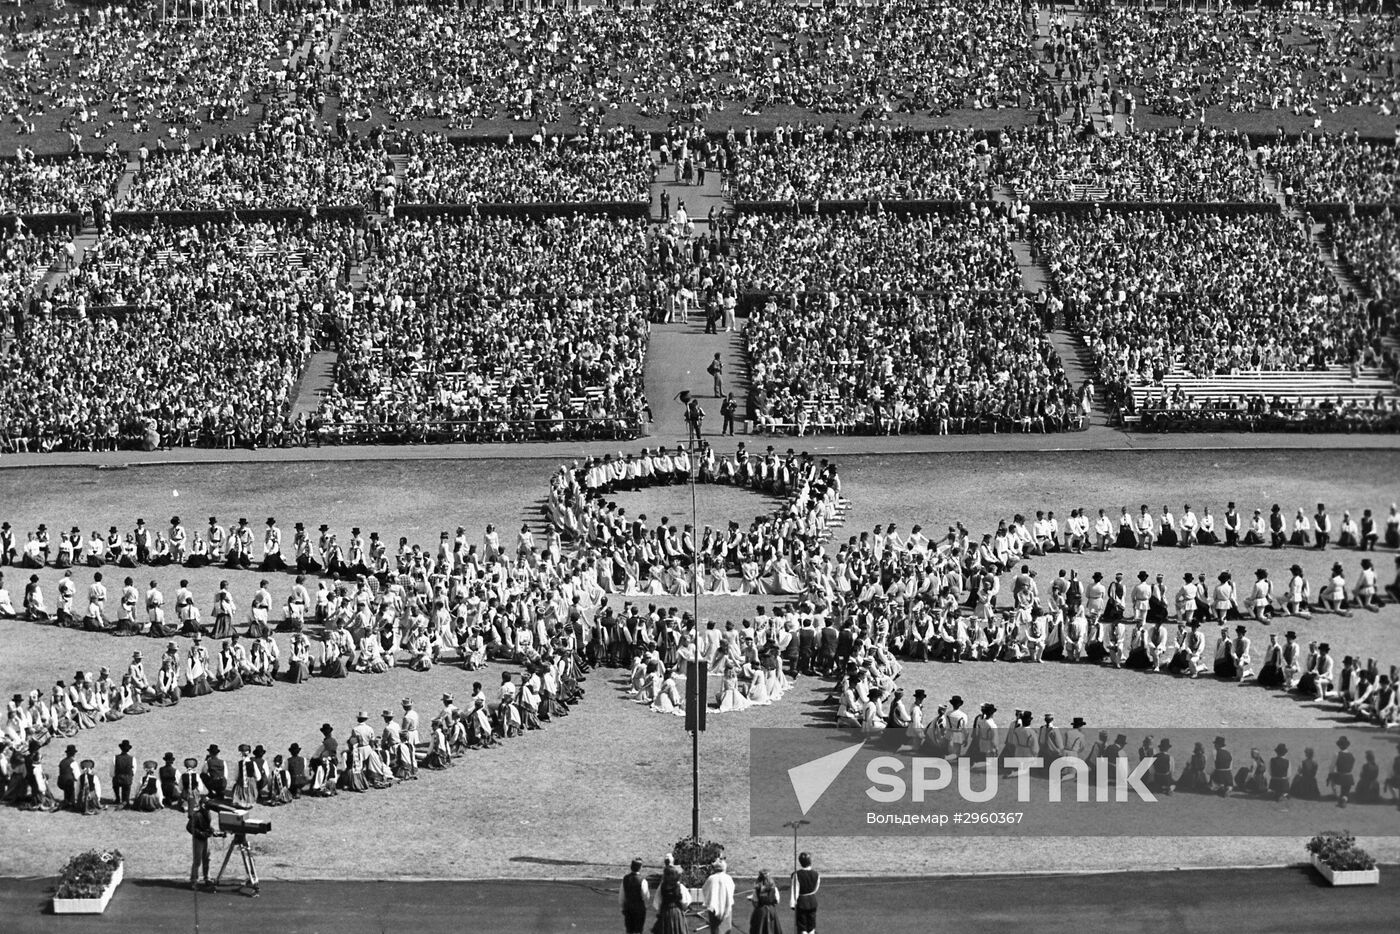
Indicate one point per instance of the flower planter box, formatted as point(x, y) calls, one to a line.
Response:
point(1357, 877)
point(90, 906)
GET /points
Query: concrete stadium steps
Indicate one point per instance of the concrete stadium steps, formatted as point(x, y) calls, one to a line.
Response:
point(54, 276)
point(677, 355)
point(1346, 280)
point(314, 383)
point(1034, 274)
point(698, 198)
point(1274, 187)
point(123, 189)
point(1078, 362)
point(1310, 385)
point(400, 163)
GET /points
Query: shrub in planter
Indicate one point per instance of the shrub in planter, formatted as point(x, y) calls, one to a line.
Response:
point(87, 875)
point(1337, 850)
point(694, 857)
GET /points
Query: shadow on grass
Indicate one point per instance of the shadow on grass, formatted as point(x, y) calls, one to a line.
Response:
point(548, 861)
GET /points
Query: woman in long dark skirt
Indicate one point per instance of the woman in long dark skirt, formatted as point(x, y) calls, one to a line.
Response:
point(671, 901)
point(765, 918)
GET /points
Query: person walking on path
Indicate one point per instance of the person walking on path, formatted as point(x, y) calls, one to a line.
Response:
point(716, 371)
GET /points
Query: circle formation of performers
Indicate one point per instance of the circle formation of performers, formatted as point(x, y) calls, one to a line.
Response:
point(857, 611)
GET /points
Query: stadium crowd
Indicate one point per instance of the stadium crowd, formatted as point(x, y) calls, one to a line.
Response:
point(1058, 162)
point(611, 165)
point(63, 185)
point(887, 362)
point(682, 58)
point(22, 254)
point(809, 162)
point(110, 70)
point(173, 336)
point(287, 162)
point(532, 326)
point(1370, 246)
point(873, 251)
point(1200, 294)
point(1247, 61)
point(1334, 168)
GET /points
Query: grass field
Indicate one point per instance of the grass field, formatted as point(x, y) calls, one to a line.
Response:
point(611, 780)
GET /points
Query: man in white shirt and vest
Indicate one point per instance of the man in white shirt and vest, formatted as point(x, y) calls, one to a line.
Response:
point(806, 882)
point(633, 897)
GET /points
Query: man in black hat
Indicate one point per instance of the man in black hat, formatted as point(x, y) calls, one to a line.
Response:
point(1341, 777)
point(1021, 740)
point(178, 541)
point(1279, 769)
point(68, 775)
point(123, 774)
point(806, 646)
point(1222, 776)
point(214, 538)
point(1159, 776)
point(830, 643)
point(143, 542)
point(1076, 744)
point(1240, 649)
point(301, 547)
point(214, 773)
point(328, 754)
point(896, 721)
point(240, 546)
point(1322, 528)
point(298, 774)
point(169, 781)
point(957, 728)
point(261, 770)
point(1114, 751)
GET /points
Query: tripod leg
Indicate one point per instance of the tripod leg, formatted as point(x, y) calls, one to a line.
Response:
point(251, 869)
point(227, 855)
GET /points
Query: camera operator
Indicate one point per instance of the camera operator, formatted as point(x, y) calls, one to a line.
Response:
point(202, 825)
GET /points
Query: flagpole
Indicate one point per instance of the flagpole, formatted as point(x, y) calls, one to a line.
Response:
point(696, 699)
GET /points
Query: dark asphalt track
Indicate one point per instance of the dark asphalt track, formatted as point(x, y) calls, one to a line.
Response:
point(1268, 901)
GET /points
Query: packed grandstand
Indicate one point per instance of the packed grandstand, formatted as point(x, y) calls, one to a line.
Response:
point(924, 210)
